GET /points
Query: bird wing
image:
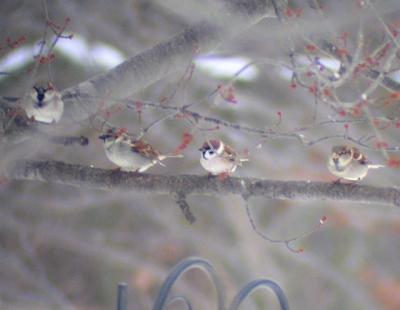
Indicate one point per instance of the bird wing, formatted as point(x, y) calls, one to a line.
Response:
point(229, 153)
point(357, 155)
point(144, 149)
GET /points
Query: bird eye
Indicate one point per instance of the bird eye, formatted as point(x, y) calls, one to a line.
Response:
point(208, 154)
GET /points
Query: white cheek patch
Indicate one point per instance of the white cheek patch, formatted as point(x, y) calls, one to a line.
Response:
point(209, 156)
point(49, 110)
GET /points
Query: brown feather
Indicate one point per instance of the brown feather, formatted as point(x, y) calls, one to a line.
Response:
point(145, 149)
point(229, 153)
point(342, 150)
point(357, 155)
point(214, 144)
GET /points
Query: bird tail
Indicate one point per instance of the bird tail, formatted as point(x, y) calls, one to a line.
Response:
point(162, 157)
point(240, 161)
point(373, 166)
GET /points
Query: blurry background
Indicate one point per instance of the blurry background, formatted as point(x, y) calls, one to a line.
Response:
point(67, 247)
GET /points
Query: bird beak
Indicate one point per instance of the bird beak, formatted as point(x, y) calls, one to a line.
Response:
point(201, 149)
point(104, 137)
point(336, 162)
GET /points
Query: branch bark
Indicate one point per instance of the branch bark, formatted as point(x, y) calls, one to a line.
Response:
point(78, 175)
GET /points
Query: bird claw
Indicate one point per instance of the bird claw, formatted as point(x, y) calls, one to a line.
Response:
point(210, 176)
point(223, 176)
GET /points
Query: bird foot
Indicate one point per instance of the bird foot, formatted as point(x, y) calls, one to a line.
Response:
point(223, 176)
point(338, 181)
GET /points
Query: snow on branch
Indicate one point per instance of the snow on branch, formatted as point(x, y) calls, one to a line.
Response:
point(142, 70)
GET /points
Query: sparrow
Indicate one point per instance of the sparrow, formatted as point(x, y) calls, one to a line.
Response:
point(219, 158)
point(349, 163)
point(44, 104)
point(131, 154)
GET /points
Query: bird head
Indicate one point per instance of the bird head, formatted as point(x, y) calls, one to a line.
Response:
point(212, 148)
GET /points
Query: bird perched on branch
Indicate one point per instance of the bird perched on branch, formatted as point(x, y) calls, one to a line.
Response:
point(219, 158)
point(349, 163)
point(131, 154)
point(44, 104)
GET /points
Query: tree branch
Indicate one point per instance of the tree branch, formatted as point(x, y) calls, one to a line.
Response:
point(78, 175)
point(158, 62)
point(183, 204)
point(373, 74)
point(148, 67)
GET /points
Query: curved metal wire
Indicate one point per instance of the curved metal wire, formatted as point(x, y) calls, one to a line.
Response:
point(252, 286)
point(182, 299)
point(181, 268)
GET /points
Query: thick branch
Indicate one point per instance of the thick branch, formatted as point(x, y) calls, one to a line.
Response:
point(156, 63)
point(77, 175)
